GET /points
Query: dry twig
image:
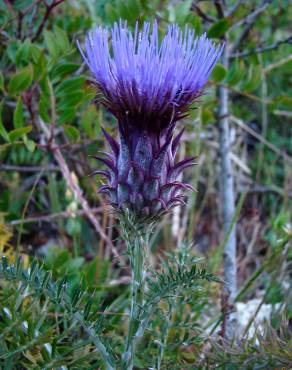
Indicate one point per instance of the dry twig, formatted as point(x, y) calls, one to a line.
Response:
point(76, 189)
point(248, 21)
point(49, 9)
point(263, 49)
point(52, 216)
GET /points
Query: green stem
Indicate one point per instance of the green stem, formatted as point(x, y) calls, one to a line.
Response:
point(136, 254)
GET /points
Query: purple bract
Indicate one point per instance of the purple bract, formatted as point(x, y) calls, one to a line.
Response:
point(148, 86)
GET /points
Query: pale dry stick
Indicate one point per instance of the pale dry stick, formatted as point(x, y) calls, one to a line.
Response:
point(234, 8)
point(270, 189)
point(250, 18)
point(76, 189)
point(8, 167)
point(242, 93)
point(240, 163)
point(283, 113)
point(277, 64)
point(253, 317)
point(279, 276)
point(254, 239)
point(271, 146)
point(237, 161)
point(176, 213)
point(228, 207)
point(250, 246)
point(25, 209)
point(189, 214)
point(227, 198)
point(248, 23)
point(264, 126)
point(124, 280)
point(188, 211)
point(262, 49)
point(51, 217)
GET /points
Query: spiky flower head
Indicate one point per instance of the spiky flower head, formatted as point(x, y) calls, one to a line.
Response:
point(148, 86)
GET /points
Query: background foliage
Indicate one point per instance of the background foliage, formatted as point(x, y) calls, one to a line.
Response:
point(49, 209)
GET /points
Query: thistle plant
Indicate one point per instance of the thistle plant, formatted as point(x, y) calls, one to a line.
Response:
point(148, 86)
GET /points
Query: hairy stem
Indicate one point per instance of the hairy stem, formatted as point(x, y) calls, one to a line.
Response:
point(136, 251)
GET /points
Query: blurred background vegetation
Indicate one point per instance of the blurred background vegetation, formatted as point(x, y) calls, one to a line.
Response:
point(50, 123)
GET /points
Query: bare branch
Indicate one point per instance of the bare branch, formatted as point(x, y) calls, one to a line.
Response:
point(76, 189)
point(248, 22)
point(263, 49)
point(283, 113)
point(20, 15)
point(51, 217)
point(252, 17)
point(259, 137)
point(10, 6)
point(8, 167)
point(49, 9)
point(219, 8)
point(19, 25)
point(235, 7)
point(243, 93)
point(206, 17)
point(277, 64)
point(269, 189)
point(228, 208)
point(31, 7)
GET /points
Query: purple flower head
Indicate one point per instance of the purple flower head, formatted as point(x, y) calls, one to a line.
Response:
point(147, 83)
point(148, 86)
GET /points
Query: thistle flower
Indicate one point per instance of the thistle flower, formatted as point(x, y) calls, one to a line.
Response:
point(148, 86)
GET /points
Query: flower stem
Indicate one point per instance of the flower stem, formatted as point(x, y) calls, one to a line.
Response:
point(136, 250)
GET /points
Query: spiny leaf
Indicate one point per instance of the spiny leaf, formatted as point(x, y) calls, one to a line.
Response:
point(174, 278)
point(61, 287)
point(87, 309)
point(46, 279)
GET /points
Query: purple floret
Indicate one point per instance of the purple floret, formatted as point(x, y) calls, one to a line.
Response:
point(151, 83)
